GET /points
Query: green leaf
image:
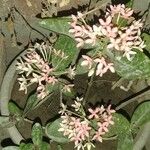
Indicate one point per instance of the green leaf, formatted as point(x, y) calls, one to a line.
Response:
point(28, 146)
point(130, 3)
point(81, 69)
point(53, 133)
point(125, 141)
point(44, 146)
point(11, 148)
point(141, 115)
point(31, 102)
point(121, 125)
point(59, 147)
point(14, 109)
point(37, 134)
point(121, 128)
point(67, 46)
point(51, 88)
point(59, 25)
point(146, 39)
point(138, 68)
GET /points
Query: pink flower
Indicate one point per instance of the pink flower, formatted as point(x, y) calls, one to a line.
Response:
point(94, 113)
point(109, 120)
point(110, 66)
point(103, 67)
point(110, 31)
point(98, 135)
point(120, 9)
point(107, 22)
point(83, 130)
point(42, 93)
point(114, 43)
point(52, 80)
point(87, 61)
point(80, 42)
point(116, 9)
point(109, 110)
point(75, 122)
point(127, 13)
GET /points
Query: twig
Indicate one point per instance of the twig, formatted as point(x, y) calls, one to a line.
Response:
point(28, 120)
point(29, 23)
point(97, 8)
point(110, 138)
point(117, 83)
point(132, 99)
point(88, 89)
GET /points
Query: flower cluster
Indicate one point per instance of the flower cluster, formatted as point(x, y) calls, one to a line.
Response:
point(115, 27)
point(35, 68)
point(84, 128)
point(101, 68)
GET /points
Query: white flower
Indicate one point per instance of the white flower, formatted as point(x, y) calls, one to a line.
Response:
point(76, 105)
point(23, 84)
point(71, 72)
point(91, 72)
point(89, 145)
point(64, 107)
point(129, 54)
point(97, 30)
point(67, 88)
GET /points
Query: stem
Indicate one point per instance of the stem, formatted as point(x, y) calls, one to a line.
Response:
point(110, 138)
point(97, 8)
point(43, 100)
point(118, 18)
point(75, 114)
point(28, 120)
point(133, 99)
point(117, 83)
point(88, 89)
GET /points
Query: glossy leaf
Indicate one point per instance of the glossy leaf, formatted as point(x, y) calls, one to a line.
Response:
point(28, 146)
point(51, 88)
point(121, 128)
point(31, 102)
point(125, 141)
point(14, 109)
point(59, 25)
point(67, 46)
point(121, 125)
point(130, 3)
point(53, 133)
point(11, 148)
point(44, 146)
point(141, 115)
point(37, 134)
point(59, 147)
point(81, 69)
point(138, 68)
point(146, 38)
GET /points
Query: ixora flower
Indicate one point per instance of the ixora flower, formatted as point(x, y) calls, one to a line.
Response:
point(101, 65)
point(120, 37)
point(35, 68)
point(77, 125)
